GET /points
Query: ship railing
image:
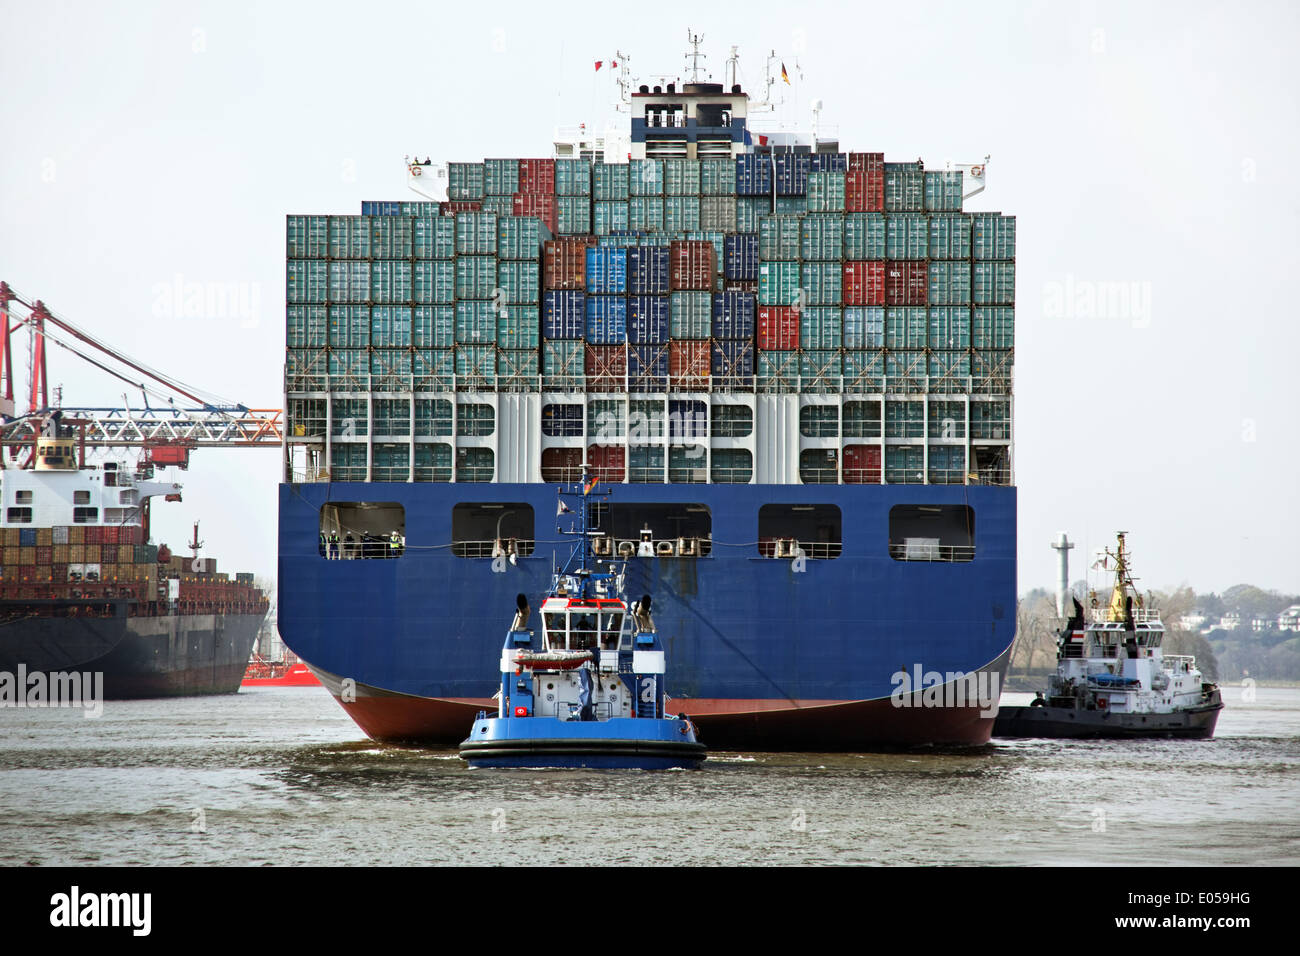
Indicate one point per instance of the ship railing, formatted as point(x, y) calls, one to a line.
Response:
point(1183, 662)
point(522, 547)
point(1141, 615)
point(786, 549)
point(932, 552)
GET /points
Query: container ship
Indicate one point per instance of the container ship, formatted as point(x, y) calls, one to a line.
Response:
point(82, 590)
point(795, 361)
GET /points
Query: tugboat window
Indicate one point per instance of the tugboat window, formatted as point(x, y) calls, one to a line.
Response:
point(784, 530)
point(492, 529)
point(932, 533)
point(362, 530)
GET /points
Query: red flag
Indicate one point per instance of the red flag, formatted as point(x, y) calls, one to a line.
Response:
point(613, 64)
point(598, 65)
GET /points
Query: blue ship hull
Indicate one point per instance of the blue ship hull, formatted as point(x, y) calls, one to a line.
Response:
point(621, 743)
point(761, 655)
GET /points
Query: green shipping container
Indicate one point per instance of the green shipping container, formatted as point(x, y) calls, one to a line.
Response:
point(433, 462)
point(864, 236)
point(607, 217)
point(943, 191)
point(572, 216)
point(790, 205)
point(950, 237)
point(646, 214)
point(519, 237)
point(778, 283)
point(465, 182)
point(822, 238)
point(306, 327)
point(520, 281)
point(433, 326)
point(517, 367)
point(349, 281)
point(348, 461)
point(350, 417)
point(572, 177)
point(307, 237)
point(476, 234)
point(821, 327)
point(749, 211)
point(433, 281)
point(500, 177)
point(822, 282)
point(349, 326)
point(949, 283)
point(562, 363)
point(609, 182)
point(390, 370)
point(825, 192)
point(390, 327)
point(349, 237)
point(433, 369)
point(778, 238)
point(476, 277)
point(691, 315)
point(993, 327)
point(390, 281)
point(904, 464)
point(907, 237)
point(993, 283)
point(949, 327)
point(518, 327)
point(681, 213)
point(645, 177)
point(391, 237)
point(681, 177)
point(906, 327)
point(993, 236)
point(476, 323)
point(434, 238)
point(718, 177)
point(778, 370)
point(476, 365)
point(904, 190)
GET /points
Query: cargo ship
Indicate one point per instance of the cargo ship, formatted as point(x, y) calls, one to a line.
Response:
point(82, 590)
point(795, 361)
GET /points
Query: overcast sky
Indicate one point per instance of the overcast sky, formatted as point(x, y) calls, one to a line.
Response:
point(1149, 148)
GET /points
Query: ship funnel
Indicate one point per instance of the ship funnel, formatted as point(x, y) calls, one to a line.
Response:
point(1062, 546)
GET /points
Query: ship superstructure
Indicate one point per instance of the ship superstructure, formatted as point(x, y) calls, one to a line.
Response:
point(796, 360)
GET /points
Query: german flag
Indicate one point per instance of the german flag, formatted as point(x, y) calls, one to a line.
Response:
point(784, 75)
point(587, 488)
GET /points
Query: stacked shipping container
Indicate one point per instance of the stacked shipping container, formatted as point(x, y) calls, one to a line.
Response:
point(833, 274)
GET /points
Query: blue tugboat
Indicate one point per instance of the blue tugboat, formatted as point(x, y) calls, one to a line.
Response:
point(591, 693)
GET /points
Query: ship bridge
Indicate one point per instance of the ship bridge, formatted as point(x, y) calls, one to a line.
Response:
point(699, 121)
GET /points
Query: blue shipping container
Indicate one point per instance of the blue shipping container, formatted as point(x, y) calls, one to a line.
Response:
point(648, 319)
point(607, 268)
point(564, 314)
point(733, 315)
point(606, 319)
point(740, 257)
point(647, 270)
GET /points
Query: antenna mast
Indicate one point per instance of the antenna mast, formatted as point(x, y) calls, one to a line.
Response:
point(695, 56)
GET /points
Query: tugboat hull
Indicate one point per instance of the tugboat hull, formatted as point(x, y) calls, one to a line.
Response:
point(1195, 723)
point(616, 744)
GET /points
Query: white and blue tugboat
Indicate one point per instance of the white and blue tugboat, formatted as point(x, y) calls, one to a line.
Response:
point(1113, 679)
point(591, 692)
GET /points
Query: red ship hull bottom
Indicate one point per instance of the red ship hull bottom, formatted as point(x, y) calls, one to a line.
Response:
point(760, 725)
point(296, 676)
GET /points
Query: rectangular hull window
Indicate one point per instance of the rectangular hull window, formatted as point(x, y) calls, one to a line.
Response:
point(666, 531)
point(784, 530)
point(492, 529)
point(932, 533)
point(362, 531)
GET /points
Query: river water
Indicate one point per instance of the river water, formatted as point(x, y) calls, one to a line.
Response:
point(282, 776)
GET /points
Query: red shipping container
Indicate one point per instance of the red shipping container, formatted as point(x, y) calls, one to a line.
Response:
point(688, 363)
point(537, 176)
point(606, 368)
point(561, 464)
point(451, 207)
point(108, 534)
point(44, 554)
point(862, 464)
point(564, 262)
point(608, 462)
point(130, 534)
point(864, 282)
point(864, 191)
point(92, 534)
point(906, 283)
point(866, 162)
point(778, 327)
point(691, 264)
point(535, 204)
